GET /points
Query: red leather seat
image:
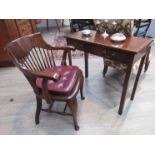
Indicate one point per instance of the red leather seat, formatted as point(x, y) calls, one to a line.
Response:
point(65, 85)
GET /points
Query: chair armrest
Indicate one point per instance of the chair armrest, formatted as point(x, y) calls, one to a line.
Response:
point(50, 76)
point(46, 45)
point(64, 48)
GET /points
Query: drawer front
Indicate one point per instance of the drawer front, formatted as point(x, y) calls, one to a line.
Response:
point(117, 56)
point(96, 50)
point(77, 44)
point(109, 53)
point(24, 27)
point(112, 54)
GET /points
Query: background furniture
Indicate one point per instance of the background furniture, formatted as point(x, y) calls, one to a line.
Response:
point(81, 24)
point(35, 59)
point(114, 26)
point(38, 21)
point(128, 52)
point(11, 29)
point(141, 27)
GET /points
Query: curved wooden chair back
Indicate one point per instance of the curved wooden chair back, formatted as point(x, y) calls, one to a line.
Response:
point(31, 52)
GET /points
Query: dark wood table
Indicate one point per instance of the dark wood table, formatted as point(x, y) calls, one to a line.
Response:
point(127, 52)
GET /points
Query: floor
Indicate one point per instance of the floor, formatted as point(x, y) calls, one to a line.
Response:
point(97, 114)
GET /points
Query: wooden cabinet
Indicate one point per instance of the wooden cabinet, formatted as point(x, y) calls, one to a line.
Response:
point(11, 29)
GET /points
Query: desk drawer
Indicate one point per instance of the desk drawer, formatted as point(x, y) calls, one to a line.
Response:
point(112, 54)
point(77, 44)
point(117, 56)
point(109, 53)
point(99, 51)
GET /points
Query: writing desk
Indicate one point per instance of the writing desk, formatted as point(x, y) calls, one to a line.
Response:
point(127, 52)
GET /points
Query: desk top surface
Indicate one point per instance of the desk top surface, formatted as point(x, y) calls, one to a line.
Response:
point(131, 44)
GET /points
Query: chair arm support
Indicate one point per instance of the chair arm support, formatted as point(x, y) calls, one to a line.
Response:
point(49, 76)
point(64, 48)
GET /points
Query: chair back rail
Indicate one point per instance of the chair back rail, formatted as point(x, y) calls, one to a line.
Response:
point(31, 53)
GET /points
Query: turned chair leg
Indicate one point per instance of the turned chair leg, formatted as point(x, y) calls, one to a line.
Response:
point(81, 88)
point(73, 107)
point(105, 69)
point(51, 105)
point(38, 109)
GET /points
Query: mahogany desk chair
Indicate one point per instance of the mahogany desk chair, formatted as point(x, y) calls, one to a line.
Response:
point(35, 59)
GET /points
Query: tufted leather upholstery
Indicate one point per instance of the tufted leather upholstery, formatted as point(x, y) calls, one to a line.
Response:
point(67, 82)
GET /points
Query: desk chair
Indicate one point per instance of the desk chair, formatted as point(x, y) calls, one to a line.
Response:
point(35, 59)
